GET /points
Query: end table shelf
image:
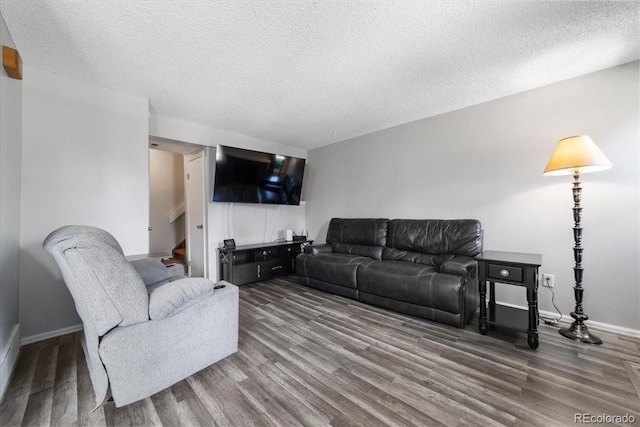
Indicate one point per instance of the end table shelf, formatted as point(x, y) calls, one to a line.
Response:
point(511, 268)
point(508, 317)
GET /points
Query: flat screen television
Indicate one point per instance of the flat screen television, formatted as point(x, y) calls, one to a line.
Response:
point(246, 176)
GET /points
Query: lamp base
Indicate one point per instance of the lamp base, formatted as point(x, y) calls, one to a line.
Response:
point(578, 331)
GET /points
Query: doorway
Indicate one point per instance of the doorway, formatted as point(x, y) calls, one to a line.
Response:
point(183, 175)
point(166, 202)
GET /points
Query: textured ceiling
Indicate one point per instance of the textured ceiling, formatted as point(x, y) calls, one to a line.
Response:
point(308, 74)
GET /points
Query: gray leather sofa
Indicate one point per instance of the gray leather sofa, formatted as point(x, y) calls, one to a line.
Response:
point(423, 268)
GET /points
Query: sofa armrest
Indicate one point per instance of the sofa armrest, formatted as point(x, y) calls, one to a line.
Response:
point(460, 266)
point(172, 297)
point(318, 249)
point(153, 270)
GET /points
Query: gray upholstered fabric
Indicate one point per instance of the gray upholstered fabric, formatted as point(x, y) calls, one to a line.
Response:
point(102, 266)
point(146, 358)
point(96, 262)
point(70, 235)
point(92, 302)
point(140, 356)
point(97, 372)
point(171, 297)
point(153, 270)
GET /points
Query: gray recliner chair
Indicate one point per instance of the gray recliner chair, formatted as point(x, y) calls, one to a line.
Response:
point(146, 326)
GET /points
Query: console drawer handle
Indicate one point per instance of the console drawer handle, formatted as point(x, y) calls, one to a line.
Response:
point(277, 267)
point(504, 273)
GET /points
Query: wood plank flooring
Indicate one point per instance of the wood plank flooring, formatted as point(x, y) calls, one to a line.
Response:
point(308, 358)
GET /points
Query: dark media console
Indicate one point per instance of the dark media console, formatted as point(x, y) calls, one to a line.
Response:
point(252, 263)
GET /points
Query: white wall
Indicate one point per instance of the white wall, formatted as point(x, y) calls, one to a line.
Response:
point(486, 162)
point(246, 223)
point(10, 186)
point(85, 161)
point(166, 193)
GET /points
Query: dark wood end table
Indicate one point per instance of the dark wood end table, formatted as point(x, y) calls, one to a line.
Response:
point(512, 268)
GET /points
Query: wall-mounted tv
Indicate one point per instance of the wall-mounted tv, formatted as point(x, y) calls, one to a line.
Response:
point(246, 176)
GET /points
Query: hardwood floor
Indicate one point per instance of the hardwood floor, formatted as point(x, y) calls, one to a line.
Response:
point(308, 358)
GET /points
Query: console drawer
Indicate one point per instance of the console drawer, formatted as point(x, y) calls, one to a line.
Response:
point(499, 272)
point(279, 267)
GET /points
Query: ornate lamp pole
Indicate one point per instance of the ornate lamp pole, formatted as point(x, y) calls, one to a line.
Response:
point(575, 155)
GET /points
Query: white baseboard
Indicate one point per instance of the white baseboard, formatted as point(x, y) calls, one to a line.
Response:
point(611, 328)
point(567, 319)
point(51, 334)
point(8, 359)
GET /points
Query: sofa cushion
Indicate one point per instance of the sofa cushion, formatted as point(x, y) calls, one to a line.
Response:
point(153, 270)
point(393, 254)
point(373, 252)
point(357, 236)
point(339, 269)
point(436, 237)
point(413, 283)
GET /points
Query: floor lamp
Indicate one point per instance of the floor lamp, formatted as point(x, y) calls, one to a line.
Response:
point(575, 155)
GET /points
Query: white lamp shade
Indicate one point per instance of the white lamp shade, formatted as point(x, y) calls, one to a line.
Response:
point(576, 154)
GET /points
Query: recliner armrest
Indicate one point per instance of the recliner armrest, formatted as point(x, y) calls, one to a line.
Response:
point(318, 249)
point(153, 270)
point(461, 266)
point(172, 297)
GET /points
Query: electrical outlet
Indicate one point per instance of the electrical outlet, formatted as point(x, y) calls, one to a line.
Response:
point(547, 280)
